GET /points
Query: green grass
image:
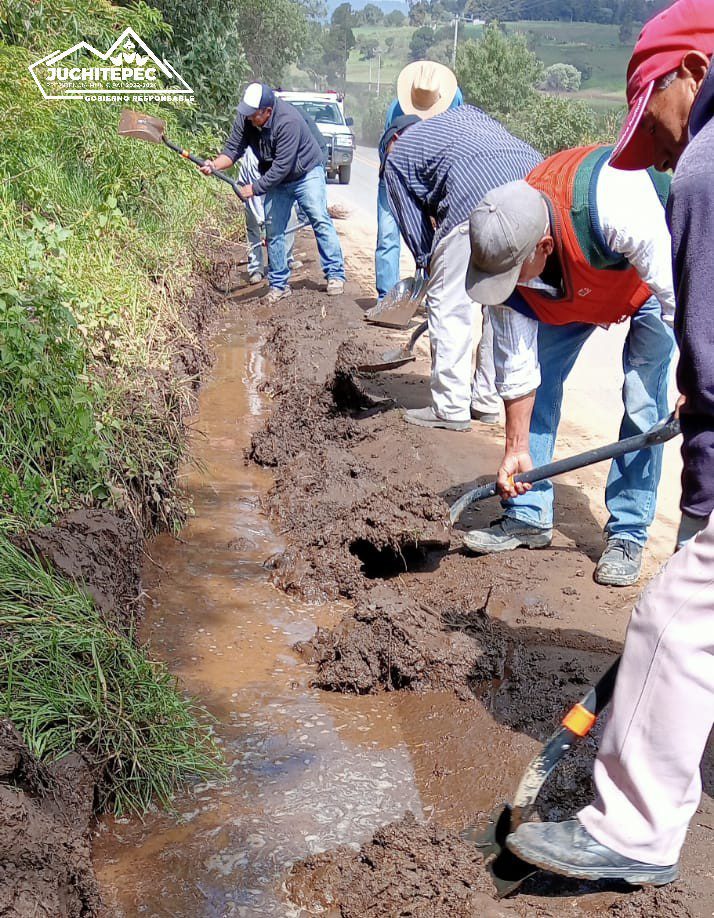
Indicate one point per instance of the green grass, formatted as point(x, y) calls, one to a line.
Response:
point(69, 682)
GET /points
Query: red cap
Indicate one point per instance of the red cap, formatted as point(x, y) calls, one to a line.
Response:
point(687, 25)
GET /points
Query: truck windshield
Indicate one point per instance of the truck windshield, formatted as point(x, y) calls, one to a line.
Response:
point(322, 112)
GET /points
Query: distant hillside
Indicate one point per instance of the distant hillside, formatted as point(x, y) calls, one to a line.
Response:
point(385, 5)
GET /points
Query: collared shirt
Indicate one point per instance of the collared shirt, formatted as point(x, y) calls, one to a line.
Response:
point(442, 167)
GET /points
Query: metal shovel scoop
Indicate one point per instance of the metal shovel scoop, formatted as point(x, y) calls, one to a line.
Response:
point(399, 305)
point(508, 870)
point(397, 356)
point(151, 129)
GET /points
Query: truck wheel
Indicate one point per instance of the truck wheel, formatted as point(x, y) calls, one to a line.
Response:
point(345, 174)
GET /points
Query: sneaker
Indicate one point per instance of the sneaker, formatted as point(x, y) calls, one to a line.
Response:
point(274, 294)
point(620, 564)
point(335, 286)
point(568, 849)
point(295, 264)
point(255, 278)
point(506, 534)
point(427, 417)
point(485, 417)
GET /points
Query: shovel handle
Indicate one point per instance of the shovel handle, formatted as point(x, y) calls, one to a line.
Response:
point(660, 433)
point(203, 162)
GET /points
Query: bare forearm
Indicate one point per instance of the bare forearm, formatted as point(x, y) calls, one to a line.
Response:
point(222, 162)
point(517, 457)
point(518, 422)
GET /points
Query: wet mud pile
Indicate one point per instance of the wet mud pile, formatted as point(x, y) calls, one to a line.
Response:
point(344, 523)
point(360, 500)
point(45, 855)
point(422, 871)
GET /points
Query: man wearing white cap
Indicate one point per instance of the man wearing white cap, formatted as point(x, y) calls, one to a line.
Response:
point(577, 245)
point(436, 171)
point(423, 89)
point(291, 170)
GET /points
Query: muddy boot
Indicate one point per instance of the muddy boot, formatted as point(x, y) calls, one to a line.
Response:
point(566, 848)
point(620, 564)
point(255, 278)
point(335, 286)
point(427, 417)
point(274, 294)
point(506, 534)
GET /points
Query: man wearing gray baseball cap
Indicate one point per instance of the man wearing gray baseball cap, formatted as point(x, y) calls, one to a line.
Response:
point(575, 246)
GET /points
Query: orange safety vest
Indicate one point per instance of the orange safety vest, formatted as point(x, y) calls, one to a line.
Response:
point(596, 291)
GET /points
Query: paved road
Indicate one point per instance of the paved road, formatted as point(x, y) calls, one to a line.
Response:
point(593, 402)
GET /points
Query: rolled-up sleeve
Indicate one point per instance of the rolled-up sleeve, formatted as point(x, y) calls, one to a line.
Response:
point(515, 352)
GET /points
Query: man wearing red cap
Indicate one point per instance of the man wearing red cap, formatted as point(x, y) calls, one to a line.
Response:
point(647, 772)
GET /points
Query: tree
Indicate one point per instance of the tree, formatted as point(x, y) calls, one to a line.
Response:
point(625, 32)
point(498, 72)
point(561, 78)
point(343, 17)
point(551, 123)
point(395, 20)
point(420, 43)
point(372, 15)
point(368, 48)
point(419, 14)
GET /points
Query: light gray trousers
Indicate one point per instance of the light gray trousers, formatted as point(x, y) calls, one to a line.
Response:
point(647, 772)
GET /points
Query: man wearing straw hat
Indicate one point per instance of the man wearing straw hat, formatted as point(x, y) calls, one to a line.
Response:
point(436, 171)
point(423, 89)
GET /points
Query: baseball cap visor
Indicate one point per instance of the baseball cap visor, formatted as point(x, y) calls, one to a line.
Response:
point(491, 289)
point(246, 110)
point(635, 147)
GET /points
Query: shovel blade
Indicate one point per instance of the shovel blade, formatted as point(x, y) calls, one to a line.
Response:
point(140, 126)
point(507, 870)
point(391, 360)
point(398, 306)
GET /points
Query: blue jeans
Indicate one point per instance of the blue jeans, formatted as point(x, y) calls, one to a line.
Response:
point(386, 256)
point(254, 232)
point(631, 492)
point(310, 193)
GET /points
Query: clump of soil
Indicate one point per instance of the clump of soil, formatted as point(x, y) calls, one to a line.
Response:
point(45, 857)
point(352, 526)
point(423, 871)
point(101, 552)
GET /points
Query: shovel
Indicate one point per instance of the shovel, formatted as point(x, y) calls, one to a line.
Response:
point(150, 129)
point(397, 356)
point(400, 303)
point(660, 433)
point(508, 870)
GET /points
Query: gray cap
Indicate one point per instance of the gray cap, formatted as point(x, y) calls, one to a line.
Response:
point(504, 229)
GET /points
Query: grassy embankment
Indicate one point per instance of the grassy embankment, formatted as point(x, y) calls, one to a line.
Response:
point(95, 239)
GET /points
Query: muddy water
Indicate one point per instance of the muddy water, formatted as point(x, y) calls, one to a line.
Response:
point(307, 770)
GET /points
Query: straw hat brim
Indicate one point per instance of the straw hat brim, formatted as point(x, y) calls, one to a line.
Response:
point(448, 84)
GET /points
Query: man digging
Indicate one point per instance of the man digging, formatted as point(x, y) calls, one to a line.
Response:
point(292, 170)
point(647, 773)
point(576, 246)
point(436, 171)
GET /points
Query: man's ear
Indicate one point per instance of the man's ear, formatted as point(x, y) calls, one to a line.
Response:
point(695, 65)
point(546, 245)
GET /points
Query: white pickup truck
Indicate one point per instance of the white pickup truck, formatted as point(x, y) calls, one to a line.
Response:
point(327, 109)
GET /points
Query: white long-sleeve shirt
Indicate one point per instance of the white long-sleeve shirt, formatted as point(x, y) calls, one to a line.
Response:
point(633, 224)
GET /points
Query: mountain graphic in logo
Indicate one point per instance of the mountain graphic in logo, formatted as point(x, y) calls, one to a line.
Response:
point(129, 67)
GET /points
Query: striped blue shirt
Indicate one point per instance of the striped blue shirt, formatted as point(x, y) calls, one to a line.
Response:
point(442, 167)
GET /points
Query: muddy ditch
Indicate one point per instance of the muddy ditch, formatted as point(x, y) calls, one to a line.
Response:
point(361, 503)
point(46, 810)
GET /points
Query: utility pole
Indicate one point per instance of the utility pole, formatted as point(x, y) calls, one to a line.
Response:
point(456, 38)
point(369, 88)
point(379, 70)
